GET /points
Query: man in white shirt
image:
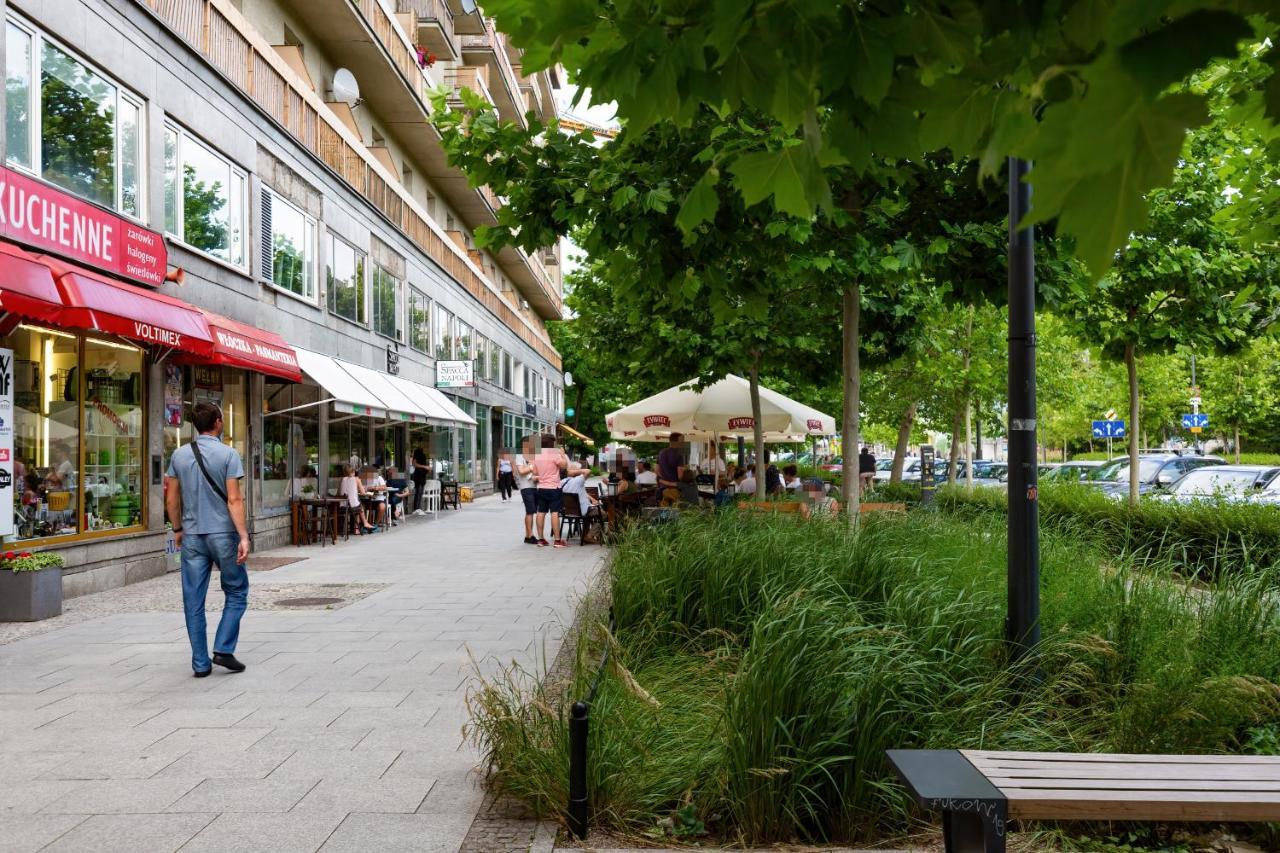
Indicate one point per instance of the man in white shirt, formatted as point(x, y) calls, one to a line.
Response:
point(646, 476)
point(748, 484)
point(526, 486)
point(576, 484)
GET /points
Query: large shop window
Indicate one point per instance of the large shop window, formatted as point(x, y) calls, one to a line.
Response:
point(225, 387)
point(386, 303)
point(481, 356)
point(495, 363)
point(79, 434)
point(441, 332)
point(436, 442)
point(69, 124)
point(204, 198)
point(344, 277)
point(290, 442)
point(419, 321)
point(464, 444)
point(462, 341)
point(288, 246)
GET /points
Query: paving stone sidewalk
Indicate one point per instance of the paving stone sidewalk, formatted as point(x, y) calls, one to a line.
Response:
point(343, 735)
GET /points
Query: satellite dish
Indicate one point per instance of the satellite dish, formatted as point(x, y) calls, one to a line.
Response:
point(345, 87)
point(568, 380)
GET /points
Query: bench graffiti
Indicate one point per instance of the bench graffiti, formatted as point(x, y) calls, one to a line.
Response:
point(988, 810)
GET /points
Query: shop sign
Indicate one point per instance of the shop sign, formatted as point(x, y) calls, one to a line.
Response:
point(393, 361)
point(6, 442)
point(742, 423)
point(531, 409)
point(38, 215)
point(455, 374)
point(207, 376)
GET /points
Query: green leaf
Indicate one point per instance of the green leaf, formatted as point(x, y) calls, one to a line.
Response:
point(792, 98)
point(791, 175)
point(870, 63)
point(849, 141)
point(1162, 58)
point(702, 202)
point(956, 116)
point(1086, 23)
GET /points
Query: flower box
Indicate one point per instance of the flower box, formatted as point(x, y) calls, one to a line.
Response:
point(30, 586)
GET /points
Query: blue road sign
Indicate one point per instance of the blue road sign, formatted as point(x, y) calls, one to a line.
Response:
point(1199, 420)
point(1108, 429)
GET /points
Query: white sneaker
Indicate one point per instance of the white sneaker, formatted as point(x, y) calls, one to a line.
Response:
point(419, 512)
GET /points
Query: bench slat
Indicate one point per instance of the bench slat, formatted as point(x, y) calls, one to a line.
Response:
point(979, 756)
point(1066, 804)
point(1123, 772)
point(1005, 782)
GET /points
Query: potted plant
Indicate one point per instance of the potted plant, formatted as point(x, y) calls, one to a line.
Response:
point(30, 586)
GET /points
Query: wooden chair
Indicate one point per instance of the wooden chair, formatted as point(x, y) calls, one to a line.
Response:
point(979, 792)
point(882, 507)
point(450, 495)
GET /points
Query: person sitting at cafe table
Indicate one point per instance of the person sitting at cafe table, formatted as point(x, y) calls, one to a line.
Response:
point(376, 487)
point(626, 482)
point(746, 482)
point(397, 492)
point(817, 501)
point(646, 476)
point(576, 485)
point(791, 479)
point(352, 489)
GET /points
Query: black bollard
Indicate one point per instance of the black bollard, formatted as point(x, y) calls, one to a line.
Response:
point(578, 770)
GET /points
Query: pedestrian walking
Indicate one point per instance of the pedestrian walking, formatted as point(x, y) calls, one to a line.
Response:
point(506, 474)
point(527, 486)
point(419, 473)
point(206, 508)
point(550, 500)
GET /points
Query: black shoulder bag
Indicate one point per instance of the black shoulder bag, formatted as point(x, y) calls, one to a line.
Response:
point(218, 488)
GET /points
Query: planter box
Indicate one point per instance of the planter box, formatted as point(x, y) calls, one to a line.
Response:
point(30, 596)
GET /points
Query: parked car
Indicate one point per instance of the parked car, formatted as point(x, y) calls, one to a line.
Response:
point(1156, 472)
point(1070, 472)
point(1234, 483)
point(835, 465)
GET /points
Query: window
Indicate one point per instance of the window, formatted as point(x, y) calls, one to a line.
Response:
point(508, 372)
point(344, 279)
point(290, 442)
point(520, 375)
point(386, 303)
point(462, 341)
point(442, 332)
point(76, 129)
point(419, 321)
point(481, 356)
point(203, 197)
point(495, 363)
point(288, 246)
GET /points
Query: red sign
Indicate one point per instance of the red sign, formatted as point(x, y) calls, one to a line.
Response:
point(742, 423)
point(39, 215)
point(815, 424)
point(264, 351)
point(656, 420)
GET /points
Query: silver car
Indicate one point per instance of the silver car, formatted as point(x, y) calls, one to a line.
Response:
point(1230, 483)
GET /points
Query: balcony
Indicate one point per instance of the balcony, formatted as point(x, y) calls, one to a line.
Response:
point(466, 23)
point(434, 25)
point(467, 77)
point(489, 49)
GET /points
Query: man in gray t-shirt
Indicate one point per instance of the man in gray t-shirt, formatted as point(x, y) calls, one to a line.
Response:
point(205, 505)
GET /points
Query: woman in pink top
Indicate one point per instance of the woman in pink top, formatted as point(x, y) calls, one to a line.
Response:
point(548, 498)
point(352, 489)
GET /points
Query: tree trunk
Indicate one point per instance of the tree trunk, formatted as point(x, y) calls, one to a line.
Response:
point(904, 443)
point(758, 428)
point(977, 434)
point(968, 404)
point(851, 489)
point(956, 421)
point(1131, 364)
point(1237, 443)
point(577, 404)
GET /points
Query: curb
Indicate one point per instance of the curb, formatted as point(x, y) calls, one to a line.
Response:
point(544, 838)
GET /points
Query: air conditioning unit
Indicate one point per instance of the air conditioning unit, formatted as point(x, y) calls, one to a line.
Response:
point(549, 257)
point(524, 304)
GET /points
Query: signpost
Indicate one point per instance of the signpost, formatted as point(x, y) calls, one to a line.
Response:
point(1109, 429)
point(6, 443)
point(927, 483)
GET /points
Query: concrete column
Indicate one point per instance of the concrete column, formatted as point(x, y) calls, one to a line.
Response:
point(322, 468)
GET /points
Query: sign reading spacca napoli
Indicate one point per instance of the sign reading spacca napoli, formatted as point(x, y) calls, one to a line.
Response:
point(39, 215)
point(742, 423)
point(455, 374)
point(6, 442)
point(651, 421)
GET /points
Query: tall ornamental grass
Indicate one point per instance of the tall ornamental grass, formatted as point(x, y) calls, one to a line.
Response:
point(762, 665)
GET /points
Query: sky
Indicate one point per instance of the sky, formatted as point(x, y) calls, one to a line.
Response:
point(604, 115)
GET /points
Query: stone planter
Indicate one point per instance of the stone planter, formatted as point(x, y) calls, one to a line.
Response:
point(30, 596)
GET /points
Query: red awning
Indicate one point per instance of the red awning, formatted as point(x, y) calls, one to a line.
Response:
point(92, 301)
point(26, 287)
point(240, 345)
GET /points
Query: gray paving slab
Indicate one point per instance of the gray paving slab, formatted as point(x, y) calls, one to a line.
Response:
point(344, 733)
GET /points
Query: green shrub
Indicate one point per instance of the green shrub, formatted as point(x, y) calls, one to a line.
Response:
point(1204, 538)
point(901, 493)
point(766, 663)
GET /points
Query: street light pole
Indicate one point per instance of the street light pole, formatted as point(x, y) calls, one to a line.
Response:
point(1022, 626)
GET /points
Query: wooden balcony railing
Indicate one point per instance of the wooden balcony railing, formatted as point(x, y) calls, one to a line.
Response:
point(437, 11)
point(495, 41)
point(218, 32)
point(473, 77)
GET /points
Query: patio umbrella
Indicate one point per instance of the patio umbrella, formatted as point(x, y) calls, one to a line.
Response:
point(721, 409)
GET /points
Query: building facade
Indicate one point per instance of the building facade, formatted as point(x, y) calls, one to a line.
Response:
point(298, 250)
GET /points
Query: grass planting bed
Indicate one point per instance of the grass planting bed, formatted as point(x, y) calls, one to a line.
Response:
point(761, 665)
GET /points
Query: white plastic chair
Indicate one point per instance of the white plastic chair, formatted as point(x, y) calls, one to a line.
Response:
point(431, 497)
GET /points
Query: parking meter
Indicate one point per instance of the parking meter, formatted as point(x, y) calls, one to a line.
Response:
point(927, 484)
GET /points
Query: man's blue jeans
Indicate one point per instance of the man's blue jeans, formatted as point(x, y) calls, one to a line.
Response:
point(199, 552)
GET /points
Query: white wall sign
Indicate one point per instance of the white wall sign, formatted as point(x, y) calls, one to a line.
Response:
point(455, 374)
point(6, 442)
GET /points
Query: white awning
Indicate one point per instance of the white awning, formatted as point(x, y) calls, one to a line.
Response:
point(348, 394)
point(400, 406)
point(449, 406)
point(418, 393)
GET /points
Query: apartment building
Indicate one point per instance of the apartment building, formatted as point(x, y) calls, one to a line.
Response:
point(244, 201)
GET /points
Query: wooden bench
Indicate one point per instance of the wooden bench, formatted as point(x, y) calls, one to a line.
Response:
point(772, 506)
point(881, 507)
point(978, 792)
